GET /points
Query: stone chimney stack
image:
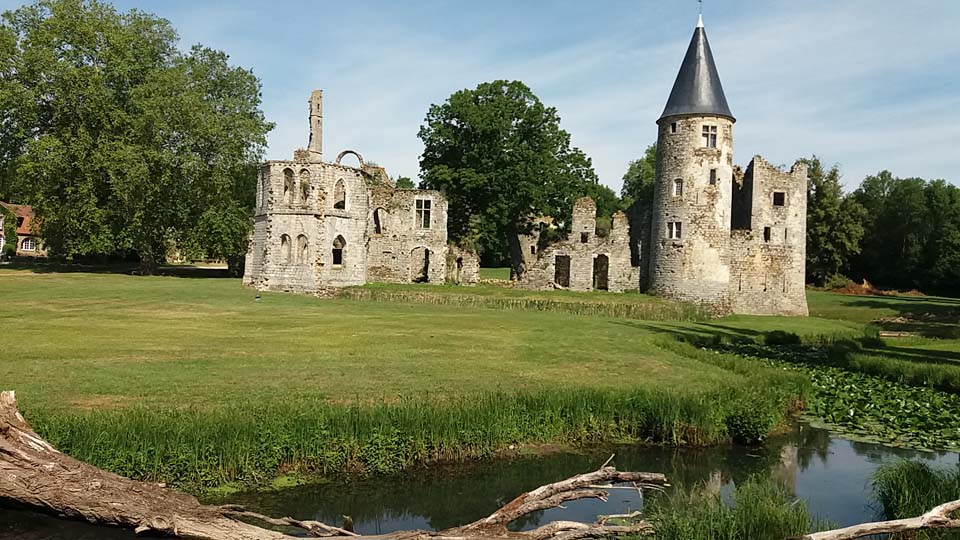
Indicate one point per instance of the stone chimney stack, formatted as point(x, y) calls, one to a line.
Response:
point(316, 126)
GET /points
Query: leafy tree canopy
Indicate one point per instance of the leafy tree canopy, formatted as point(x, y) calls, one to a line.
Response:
point(500, 156)
point(640, 178)
point(834, 222)
point(120, 141)
point(404, 182)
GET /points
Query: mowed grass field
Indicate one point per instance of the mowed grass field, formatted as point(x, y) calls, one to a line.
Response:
point(102, 341)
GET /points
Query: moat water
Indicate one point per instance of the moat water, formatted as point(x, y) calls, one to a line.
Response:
point(828, 472)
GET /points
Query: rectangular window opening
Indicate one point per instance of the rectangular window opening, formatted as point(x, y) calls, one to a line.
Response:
point(766, 234)
point(713, 177)
point(678, 188)
point(674, 230)
point(779, 198)
point(337, 256)
point(584, 237)
point(423, 213)
point(673, 127)
point(710, 136)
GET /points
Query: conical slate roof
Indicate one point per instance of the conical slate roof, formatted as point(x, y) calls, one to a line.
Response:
point(697, 89)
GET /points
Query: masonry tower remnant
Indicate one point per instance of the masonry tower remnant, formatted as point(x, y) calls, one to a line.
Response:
point(315, 146)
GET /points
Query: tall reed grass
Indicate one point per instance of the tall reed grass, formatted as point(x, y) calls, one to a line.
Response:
point(760, 510)
point(911, 488)
point(655, 310)
point(252, 444)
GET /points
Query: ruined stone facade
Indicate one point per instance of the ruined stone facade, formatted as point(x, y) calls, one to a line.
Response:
point(715, 235)
point(319, 225)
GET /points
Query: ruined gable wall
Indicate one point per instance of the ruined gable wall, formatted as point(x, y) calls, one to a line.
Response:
point(768, 261)
point(397, 253)
point(696, 266)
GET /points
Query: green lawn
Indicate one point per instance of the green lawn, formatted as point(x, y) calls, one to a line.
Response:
point(495, 273)
point(194, 381)
point(107, 341)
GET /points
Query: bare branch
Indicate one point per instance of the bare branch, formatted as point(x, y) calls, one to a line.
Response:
point(938, 518)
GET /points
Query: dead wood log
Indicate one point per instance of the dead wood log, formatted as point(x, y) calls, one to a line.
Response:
point(938, 518)
point(35, 474)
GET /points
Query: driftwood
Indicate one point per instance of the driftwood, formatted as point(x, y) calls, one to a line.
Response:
point(938, 518)
point(36, 475)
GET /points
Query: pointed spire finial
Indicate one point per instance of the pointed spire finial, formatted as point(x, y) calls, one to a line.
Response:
point(700, 19)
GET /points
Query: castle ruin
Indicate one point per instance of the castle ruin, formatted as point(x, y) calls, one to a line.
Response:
point(715, 235)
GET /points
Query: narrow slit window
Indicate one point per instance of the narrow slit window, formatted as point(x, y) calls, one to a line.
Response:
point(766, 234)
point(779, 198)
point(338, 245)
point(533, 250)
point(786, 235)
point(340, 195)
point(710, 136)
point(713, 177)
point(678, 188)
point(423, 213)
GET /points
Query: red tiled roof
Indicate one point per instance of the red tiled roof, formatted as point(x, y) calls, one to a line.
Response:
point(24, 211)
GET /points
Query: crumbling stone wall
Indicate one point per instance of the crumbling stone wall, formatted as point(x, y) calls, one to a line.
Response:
point(769, 258)
point(463, 266)
point(585, 261)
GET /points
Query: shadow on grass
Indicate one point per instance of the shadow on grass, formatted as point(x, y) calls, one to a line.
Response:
point(932, 317)
point(130, 269)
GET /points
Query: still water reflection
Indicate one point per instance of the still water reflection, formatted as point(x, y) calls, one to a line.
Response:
point(830, 473)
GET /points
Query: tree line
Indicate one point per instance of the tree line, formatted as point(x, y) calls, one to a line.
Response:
point(128, 147)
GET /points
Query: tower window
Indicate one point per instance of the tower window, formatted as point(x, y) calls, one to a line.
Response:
point(423, 213)
point(674, 230)
point(678, 187)
point(533, 250)
point(766, 234)
point(710, 136)
point(673, 127)
point(713, 177)
point(584, 237)
point(779, 198)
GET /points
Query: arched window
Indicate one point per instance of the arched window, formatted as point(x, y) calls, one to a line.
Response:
point(678, 188)
point(288, 186)
point(338, 246)
point(285, 249)
point(378, 216)
point(28, 244)
point(340, 196)
point(302, 249)
point(304, 187)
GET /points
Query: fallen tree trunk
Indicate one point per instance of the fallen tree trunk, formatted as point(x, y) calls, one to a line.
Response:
point(938, 518)
point(35, 474)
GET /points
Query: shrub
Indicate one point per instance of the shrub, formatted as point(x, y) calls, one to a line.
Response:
point(837, 281)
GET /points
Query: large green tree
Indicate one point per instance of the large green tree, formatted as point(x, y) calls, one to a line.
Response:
point(123, 143)
point(500, 156)
point(834, 223)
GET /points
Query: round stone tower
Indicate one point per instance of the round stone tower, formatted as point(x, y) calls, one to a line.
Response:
point(692, 203)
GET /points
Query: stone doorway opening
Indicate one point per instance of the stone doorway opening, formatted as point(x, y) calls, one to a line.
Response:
point(601, 273)
point(420, 265)
point(561, 273)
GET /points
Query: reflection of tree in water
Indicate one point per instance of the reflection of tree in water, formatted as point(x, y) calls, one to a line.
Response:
point(449, 496)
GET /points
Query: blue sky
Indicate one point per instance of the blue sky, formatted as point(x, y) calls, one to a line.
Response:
point(868, 84)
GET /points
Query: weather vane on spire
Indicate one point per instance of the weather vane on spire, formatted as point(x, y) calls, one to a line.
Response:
point(700, 18)
point(701, 6)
